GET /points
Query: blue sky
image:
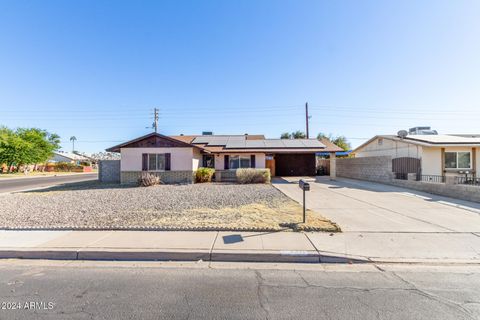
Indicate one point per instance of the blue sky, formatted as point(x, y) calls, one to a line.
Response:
point(96, 69)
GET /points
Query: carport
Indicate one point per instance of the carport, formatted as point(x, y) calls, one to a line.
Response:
point(295, 164)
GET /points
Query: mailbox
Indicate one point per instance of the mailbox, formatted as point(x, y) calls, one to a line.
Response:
point(305, 186)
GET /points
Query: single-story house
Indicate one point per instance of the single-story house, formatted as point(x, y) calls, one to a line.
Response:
point(176, 158)
point(64, 156)
point(436, 154)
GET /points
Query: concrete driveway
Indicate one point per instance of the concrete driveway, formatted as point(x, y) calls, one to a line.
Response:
point(365, 206)
point(390, 223)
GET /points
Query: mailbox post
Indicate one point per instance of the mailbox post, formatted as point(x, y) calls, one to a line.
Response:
point(305, 186)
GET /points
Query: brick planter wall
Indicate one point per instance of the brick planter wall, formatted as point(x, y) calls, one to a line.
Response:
point(131, 177)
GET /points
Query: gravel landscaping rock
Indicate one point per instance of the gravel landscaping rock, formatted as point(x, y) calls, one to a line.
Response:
point(96, 205)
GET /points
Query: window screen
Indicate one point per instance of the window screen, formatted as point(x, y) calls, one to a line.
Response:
point(156, 161)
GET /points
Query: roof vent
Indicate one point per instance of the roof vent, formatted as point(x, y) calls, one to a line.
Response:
point(207, 133)
point(422, 131)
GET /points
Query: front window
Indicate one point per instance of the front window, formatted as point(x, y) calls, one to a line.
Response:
point(236, 162)
point(457, 160)
point(156, 162)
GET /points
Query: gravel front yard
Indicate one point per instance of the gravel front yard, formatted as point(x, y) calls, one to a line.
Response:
point(94, 205)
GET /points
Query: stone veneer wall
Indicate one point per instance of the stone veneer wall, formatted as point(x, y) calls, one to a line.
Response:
point(130, 177)
point(109, 171)
point(377, 169)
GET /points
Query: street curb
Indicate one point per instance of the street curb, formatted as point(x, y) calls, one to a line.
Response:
point(48, 254)
point(265, 256)
point(148, 255)
point(214, 256)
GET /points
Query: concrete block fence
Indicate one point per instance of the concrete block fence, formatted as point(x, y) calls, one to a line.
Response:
point(109, 171)
point(379, 169)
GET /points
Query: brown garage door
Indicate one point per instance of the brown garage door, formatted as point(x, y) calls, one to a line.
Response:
point(295, 164)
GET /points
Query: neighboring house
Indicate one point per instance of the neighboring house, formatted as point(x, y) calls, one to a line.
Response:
point(175, 158)
point(63, 156)
point(438, 155)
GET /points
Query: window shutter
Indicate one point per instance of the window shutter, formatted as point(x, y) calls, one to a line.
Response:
point(226, 160)
point(252, 161)
point(168, 161)
point(144, 161)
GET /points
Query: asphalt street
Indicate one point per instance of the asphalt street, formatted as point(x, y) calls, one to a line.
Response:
point(141, 290)
point(19, 184)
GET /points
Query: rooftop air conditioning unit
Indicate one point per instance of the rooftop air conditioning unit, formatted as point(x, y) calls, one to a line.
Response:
point(422, 131)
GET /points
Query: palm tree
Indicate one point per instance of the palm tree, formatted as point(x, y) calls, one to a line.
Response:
point(73, 139)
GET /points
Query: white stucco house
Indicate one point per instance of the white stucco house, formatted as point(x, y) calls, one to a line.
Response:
point(438, 154)
point(176, 158)
point(64, 156)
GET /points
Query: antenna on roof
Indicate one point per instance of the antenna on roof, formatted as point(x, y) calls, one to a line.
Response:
point(402, 133)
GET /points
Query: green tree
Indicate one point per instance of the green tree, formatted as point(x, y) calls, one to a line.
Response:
point(26, 146)
point(340, 141)
point(42, 143)
point(294, 135)
point(299, 135)
point(13, 149)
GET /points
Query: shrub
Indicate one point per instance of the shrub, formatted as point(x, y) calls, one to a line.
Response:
point(64, 166)
point(148, 179)
point(204, 175)
point(250, 175)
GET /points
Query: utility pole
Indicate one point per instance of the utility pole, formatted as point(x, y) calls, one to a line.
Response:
point(306, 118)
point(155, 119)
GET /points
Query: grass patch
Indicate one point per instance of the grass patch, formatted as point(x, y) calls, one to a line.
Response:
point(280, 216)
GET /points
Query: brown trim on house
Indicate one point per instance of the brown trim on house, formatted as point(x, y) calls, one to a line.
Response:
point(226, 164)
point(153, 140)
point(144, 161)
point(474, 160)
point(168, 161)
point(442, 158)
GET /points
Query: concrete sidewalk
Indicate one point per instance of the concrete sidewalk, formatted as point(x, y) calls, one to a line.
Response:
point(350, 247)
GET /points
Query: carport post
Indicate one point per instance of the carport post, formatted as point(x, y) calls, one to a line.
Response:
point(333, 166)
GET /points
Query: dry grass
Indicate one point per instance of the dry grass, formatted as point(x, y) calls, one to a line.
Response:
point(278, 216)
